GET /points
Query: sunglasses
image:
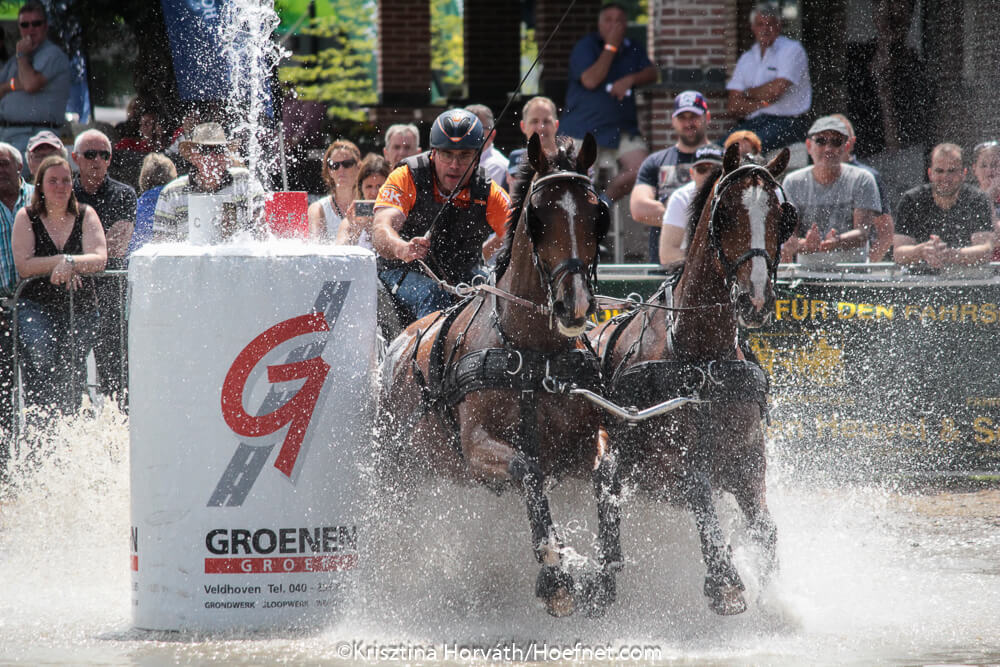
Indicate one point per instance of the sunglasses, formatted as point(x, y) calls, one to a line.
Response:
point(211, 150)
point(836, 141)
point(93, 155)
point(704, 168)
point(32, 24)
point(346, 164)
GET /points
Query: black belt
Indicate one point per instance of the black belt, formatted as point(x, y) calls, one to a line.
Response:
point(52, 126)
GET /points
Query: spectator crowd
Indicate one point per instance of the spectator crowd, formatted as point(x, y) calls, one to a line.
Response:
point(64, 218)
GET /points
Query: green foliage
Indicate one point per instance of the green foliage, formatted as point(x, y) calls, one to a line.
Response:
point(447, 44)
point(342, 75)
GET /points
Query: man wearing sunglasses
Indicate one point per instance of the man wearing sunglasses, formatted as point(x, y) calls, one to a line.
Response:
point(114, 202)
point(212, 172)
point(838, 204)
point(34, 83)
point(409, 203)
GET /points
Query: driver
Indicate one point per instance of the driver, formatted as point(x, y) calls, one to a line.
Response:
point(411, 198)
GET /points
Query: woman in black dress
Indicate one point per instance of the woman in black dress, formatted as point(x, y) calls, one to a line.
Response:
point(59, 241)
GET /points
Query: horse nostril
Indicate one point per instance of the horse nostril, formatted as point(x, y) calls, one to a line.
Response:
point(559, 308)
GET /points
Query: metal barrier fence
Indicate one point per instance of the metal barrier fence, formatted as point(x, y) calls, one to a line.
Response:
point(16, 397)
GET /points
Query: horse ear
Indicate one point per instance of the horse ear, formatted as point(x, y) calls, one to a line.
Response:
point(778, 165)
point(536, 156)
point(587, 154)
point(731, 161)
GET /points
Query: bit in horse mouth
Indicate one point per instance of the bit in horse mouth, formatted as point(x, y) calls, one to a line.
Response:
point(571, 332)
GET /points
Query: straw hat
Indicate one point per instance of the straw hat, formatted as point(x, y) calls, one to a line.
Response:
point(206, 134)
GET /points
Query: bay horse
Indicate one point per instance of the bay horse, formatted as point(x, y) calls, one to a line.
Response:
point(472, 392)
point(690, 346)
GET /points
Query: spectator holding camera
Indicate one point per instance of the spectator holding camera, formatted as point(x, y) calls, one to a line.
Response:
point(358, 230)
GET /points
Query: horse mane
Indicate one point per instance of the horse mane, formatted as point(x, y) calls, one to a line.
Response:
point(564, 159)
point(697, 204)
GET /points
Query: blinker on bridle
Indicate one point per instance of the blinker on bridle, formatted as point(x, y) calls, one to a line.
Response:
point(787, 218)
point(572, 265)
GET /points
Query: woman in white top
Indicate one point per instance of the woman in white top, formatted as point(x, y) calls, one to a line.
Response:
point(340, 173)
point(372, 174)
point(673, 235)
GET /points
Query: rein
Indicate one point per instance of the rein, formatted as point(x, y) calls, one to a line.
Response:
point(551, 279)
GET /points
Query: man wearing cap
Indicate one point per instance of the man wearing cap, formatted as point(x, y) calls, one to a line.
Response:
point(35, 83)
point(838, 204)
point(664, 171)
point(15, 193)
point(770, 87)
point(407, 226)
point(207, 150)
point(41, 146)
point(604, 68)
point(944, 222)
point(114, 202)
point(674, 236)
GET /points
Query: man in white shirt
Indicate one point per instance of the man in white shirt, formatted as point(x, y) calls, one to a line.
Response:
point(770, 88)
point(674, 235)
point(492, 160)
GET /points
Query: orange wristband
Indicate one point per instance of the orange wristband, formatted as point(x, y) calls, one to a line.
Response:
point(12, 83)
point(611, 48)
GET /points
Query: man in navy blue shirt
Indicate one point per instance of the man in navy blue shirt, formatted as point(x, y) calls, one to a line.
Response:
point(604, 67)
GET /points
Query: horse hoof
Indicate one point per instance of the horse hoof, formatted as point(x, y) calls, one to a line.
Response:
point(560, 604)
point(555, 586)
point(598, 592)
point(727, 601)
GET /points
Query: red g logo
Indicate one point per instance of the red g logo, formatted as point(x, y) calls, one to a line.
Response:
point(298, 410)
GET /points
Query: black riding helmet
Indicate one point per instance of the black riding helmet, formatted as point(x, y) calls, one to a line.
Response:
point(457, 130)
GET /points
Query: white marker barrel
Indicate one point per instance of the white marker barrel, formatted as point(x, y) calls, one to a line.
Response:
point(250, 381)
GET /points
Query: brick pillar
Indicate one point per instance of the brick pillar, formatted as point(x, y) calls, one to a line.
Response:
point(555, 59)
point(492, 51)
point(694, 44)
point(493, 63)
point(404, 48)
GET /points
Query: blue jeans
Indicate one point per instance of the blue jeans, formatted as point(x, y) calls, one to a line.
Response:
point(53, 374)
point(421, 295)
point(776, 131)
point(654, 245)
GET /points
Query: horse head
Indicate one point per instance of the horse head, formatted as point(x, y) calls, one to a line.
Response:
point(750, 220)
point(566, 222)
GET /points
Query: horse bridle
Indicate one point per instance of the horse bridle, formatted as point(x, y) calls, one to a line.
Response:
point(789, 220)
point(573, 265)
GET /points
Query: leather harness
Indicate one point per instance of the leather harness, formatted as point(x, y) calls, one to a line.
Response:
point(526, 371)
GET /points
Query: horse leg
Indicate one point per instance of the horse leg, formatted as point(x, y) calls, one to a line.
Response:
point(600, 591)
point(493, 460)
point(749, 494)
point(554, 584)
point(723, 586)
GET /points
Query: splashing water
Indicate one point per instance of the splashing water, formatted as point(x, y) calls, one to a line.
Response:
point(867, 575)
point(246, 28)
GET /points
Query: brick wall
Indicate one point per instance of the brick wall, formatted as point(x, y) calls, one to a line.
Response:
point(492, 52)
point(404, 49)
point(688, 34)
